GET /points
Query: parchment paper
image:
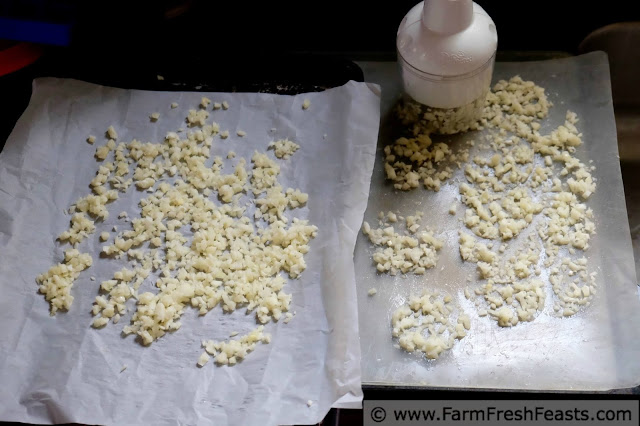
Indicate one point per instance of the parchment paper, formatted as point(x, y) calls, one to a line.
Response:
point(58, 369)
point(597, 349)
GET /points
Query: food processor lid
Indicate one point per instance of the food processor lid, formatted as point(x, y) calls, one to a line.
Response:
point(447, 37)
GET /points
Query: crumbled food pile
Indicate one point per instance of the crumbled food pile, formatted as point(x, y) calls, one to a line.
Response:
point(426, 324)
point(234, 350)
point(209, 234)
point(445, 121)
point(410, 252)
point(523, 194)
point(284, 148)
point(410, 162)
point(56, 283)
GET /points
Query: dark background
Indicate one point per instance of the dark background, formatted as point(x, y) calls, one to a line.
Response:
point(330, 26)
point(237, 45)
point(147, 28)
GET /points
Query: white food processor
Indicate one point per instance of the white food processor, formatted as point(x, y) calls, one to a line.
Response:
point(446, 52)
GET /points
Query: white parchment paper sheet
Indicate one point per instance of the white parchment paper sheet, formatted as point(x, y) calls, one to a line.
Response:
point(58, 369)
point(597, 349)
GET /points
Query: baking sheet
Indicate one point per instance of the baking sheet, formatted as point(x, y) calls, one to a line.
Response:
point(597, 349)
point(58, 369)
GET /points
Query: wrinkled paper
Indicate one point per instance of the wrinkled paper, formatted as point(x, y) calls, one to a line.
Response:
point(594, 350)
point(59, 369)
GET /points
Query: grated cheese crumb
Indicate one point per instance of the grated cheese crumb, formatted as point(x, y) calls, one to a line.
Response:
point(203, 359)
point(425, 325)
point(187, 194)
point(111, 133)
point(396, 252)
point(284, 148)
point(523, 186)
